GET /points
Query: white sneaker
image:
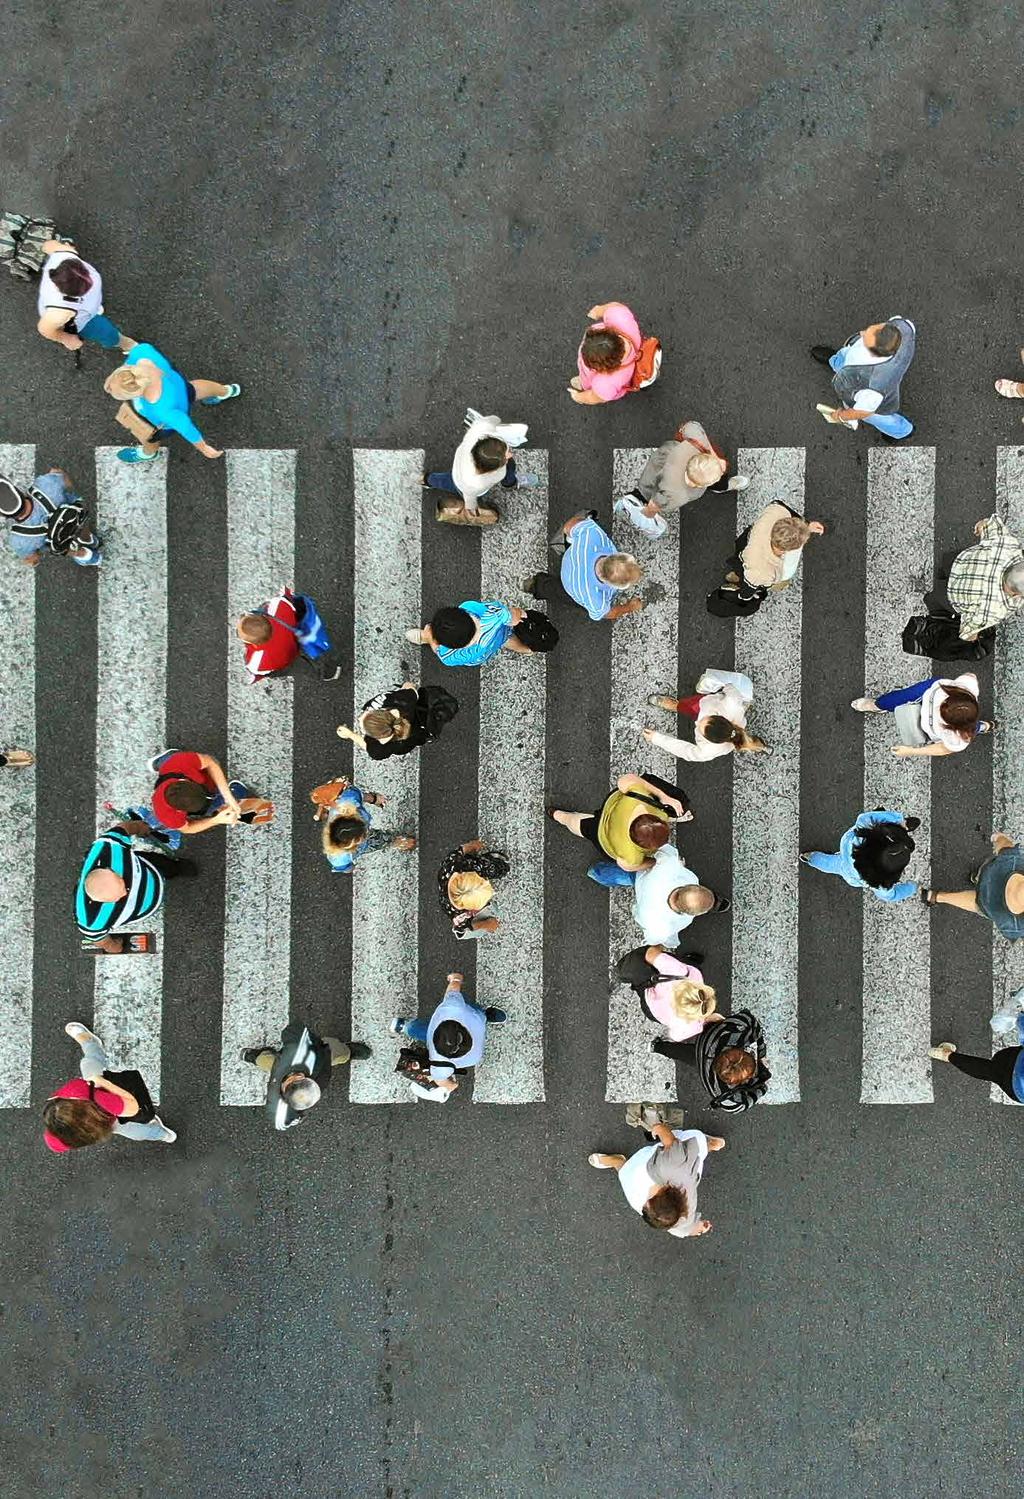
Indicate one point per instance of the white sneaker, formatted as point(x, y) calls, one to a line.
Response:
point(416, 636)
point(169, 1135)
point(79, 1032)
point(738, 481)
point(941, 1053)
point(863, 704)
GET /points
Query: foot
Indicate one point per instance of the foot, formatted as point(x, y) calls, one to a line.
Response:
point(660, 700)
point(396, 1025)
point(528, 584)
point(929, 896)
point(405, 841)
point(79, 1032)
point(603, 1162)
point(1012, 389)
point(985, 726)
point(136, 455)
point(231, 393)
point(329, 672)
point(527, 481)
point(715, 1142)
point(495, 1016)
point(169, 1135)
point(821, 353)
point(803, 858)
point(738, 481)
point(864, 705)
point(250, 1053)
point(941, 1053)
point(87, 557)
point(358, 1051)
point(415, 635)
point(733, 579)
point(19, 759)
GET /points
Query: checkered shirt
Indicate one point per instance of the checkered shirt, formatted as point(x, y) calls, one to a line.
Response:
point(976, 579)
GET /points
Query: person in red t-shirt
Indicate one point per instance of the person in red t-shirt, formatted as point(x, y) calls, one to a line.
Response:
point(192, 794)
point(270, 646)
point(100, 1103)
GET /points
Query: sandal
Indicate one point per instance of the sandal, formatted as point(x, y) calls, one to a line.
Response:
point(928, 895)
point(1011, 389)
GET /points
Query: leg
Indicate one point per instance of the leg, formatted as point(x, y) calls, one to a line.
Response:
point(633, 969)
point(341, 1052)
point(996, 1069)
point(173, 869)
point(94, 1058)
point(206, 388)
point(442, 480)
point(888, 702)
point(827, 863)
point(964, 900)
point(573, 821)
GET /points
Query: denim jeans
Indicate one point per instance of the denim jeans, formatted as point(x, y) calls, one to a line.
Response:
point(94, 1063)
point(416, 1030)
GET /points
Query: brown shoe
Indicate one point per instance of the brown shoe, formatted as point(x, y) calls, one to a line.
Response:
point(670, 704)
point(18, 759)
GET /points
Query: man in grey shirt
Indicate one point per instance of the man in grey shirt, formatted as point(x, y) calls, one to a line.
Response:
point(681, 470)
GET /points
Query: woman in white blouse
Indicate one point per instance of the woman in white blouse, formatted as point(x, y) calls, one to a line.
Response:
point(938, 716)
point(719, 710)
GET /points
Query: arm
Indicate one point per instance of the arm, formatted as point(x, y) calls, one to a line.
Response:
point(516, 646)
point(637, 783)
point(598, 310)
point(51, 327)
point(344, 732)
point(586, 397)
point(681, 748)
point(618, 611)
point(134, 829)
point(182, 423)
point(215, 771)
point(923, 749)
point(663, 1135)
point(1000, 843)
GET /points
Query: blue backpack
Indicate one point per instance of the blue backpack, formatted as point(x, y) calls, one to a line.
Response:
point(310, 632)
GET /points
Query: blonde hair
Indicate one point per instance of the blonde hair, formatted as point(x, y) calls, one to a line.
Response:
point(789, 534)
point(705, 468)
point(469, 892)
point(692, 1001)
point(125, 382)
point(620, 569)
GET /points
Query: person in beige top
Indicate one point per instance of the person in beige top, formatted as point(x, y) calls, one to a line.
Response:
point(770, 550)
point(681, 470)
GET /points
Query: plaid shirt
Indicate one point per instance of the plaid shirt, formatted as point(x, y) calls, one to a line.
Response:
point(976, 579)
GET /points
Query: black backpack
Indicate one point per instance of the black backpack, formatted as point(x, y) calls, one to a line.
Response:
point(63, 525)
point(938, 637)
point(536, 631)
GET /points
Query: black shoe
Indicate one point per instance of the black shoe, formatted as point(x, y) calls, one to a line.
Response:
point(911, 824)
point(721, 904)
point(252, 1052)
point(496, 1017)
point(185, 869)
point(329, 672)
point(358, 1051)
point(822, 353)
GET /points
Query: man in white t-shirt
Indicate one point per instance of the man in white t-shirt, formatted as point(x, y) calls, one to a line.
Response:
point(482, 459)
point(660, 1181)
point(668, 896)
point(70, 302)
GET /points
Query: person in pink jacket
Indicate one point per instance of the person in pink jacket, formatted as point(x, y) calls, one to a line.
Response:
point(671, 990)
point(609, 355)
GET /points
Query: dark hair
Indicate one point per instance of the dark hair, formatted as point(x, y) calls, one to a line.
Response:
point(71, 278)
point(881, 853)
point(186, 796)
point(77, 1121)
point(649, 832)
point(887, 340)
point(959, 711)
point(665, 1208)
point(603, 349)
point(721, 730)
point(346, 832)
point(451, 1039)
point(489, 453)
point(734, 1066)
point(452, 627)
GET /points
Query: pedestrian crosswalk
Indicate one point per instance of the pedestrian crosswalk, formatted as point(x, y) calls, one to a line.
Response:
point(382, 901)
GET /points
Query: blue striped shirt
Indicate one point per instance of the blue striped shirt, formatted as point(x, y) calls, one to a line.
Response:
point(588, 543)
point(113, 850)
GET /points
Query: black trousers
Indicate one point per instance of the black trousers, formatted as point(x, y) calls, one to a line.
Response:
point(996, 1069)
point(171, 869)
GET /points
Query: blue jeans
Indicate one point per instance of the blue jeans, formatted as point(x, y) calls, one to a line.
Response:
point(890, 701)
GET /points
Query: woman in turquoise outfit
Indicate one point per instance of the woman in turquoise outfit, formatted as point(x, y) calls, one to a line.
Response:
point(156, 399)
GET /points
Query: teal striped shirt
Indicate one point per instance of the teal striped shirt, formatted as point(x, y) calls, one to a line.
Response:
point(113, 850)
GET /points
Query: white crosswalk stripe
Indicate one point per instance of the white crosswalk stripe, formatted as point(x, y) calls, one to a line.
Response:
point(17, 807)
point(131, 697)
point(766, 791)
point(258, 861)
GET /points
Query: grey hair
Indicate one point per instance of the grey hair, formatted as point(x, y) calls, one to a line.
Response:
point(302, 1094)
point(1013, 577)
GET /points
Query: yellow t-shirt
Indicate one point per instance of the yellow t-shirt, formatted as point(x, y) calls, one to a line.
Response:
point(617, 814)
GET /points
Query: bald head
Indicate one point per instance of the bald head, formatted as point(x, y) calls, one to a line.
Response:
point(104, 885)
point(691, 900)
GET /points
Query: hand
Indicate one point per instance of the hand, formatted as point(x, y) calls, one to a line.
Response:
point(980, 527)
point(376, 800)
point(649, 734)
point(518, 615)
point(703, 1227)
point(595, 311)
point(474, 846)
point(901, 749)
point(816, 528)
point(455, 980)
point(228, 815)
point(344, 732)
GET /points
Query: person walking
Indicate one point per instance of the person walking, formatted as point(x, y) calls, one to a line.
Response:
point(592, 572)
point(997, 889)
point(873, 854)
point(482, 459)
point(279, 632)
point(300, 1068)
point(614, 358)
point(398, 721)
point(682, 470)
point(938, 716)
point(634, 820)
point(155, 399)
point(1005, 1067)
point(70, 303)
point(101, 1103)
point(347, 834)
point(473, 632)
point(667, 897)
point(192, 794)
point(767, 557)
point(729, 1056)
point(48, 517)
point(867, 372)
point(454, 1038)
point(465, 886)
point(119, 885)
point(986, 580)
point(660, 1180)
point(718, 708)
point(671, 990)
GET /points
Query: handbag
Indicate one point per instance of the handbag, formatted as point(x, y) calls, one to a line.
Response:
point(536, 631)
point(327, 794)
point(648, 364)
point(725, 603)
point(632, 506)
point(310, 632)
point(908, 725)
point(937, 636)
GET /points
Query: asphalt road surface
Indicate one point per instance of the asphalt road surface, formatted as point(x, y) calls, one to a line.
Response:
point(372, 217)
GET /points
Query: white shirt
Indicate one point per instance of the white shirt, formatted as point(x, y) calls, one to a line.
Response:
point(651, 911)
point(724, 694)
point(88, 306)
point(471, 483)
point(859, 353)
point(931, 723)
point(636, 1183)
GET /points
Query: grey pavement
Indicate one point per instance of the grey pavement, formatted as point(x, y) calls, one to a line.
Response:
point(372, 216)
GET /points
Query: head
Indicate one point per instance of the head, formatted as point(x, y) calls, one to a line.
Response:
point(300, 1092)
point(691, 900)
point(959, 712)
point(489, 453)
point(882, 339)
point(125, 383)
point(451, 1040)
point(77, 1121)
point(719, 730)
point(381, 723)
point(734, 1066)
point(665, 1207)
point(452, 627)
point(104, 885)
point(72, 278)
point(187, 796)
point(881, 853)
point(342, 834)
point(254, 629)
point(704, 469)
point(691, 1001)
point(470, 892)
point(648, 832)
point(620, 570)
point(1013, 580)
point(789, 534)
point(603, 350)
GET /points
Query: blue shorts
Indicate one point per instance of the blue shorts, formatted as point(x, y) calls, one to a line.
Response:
point(100, 330)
